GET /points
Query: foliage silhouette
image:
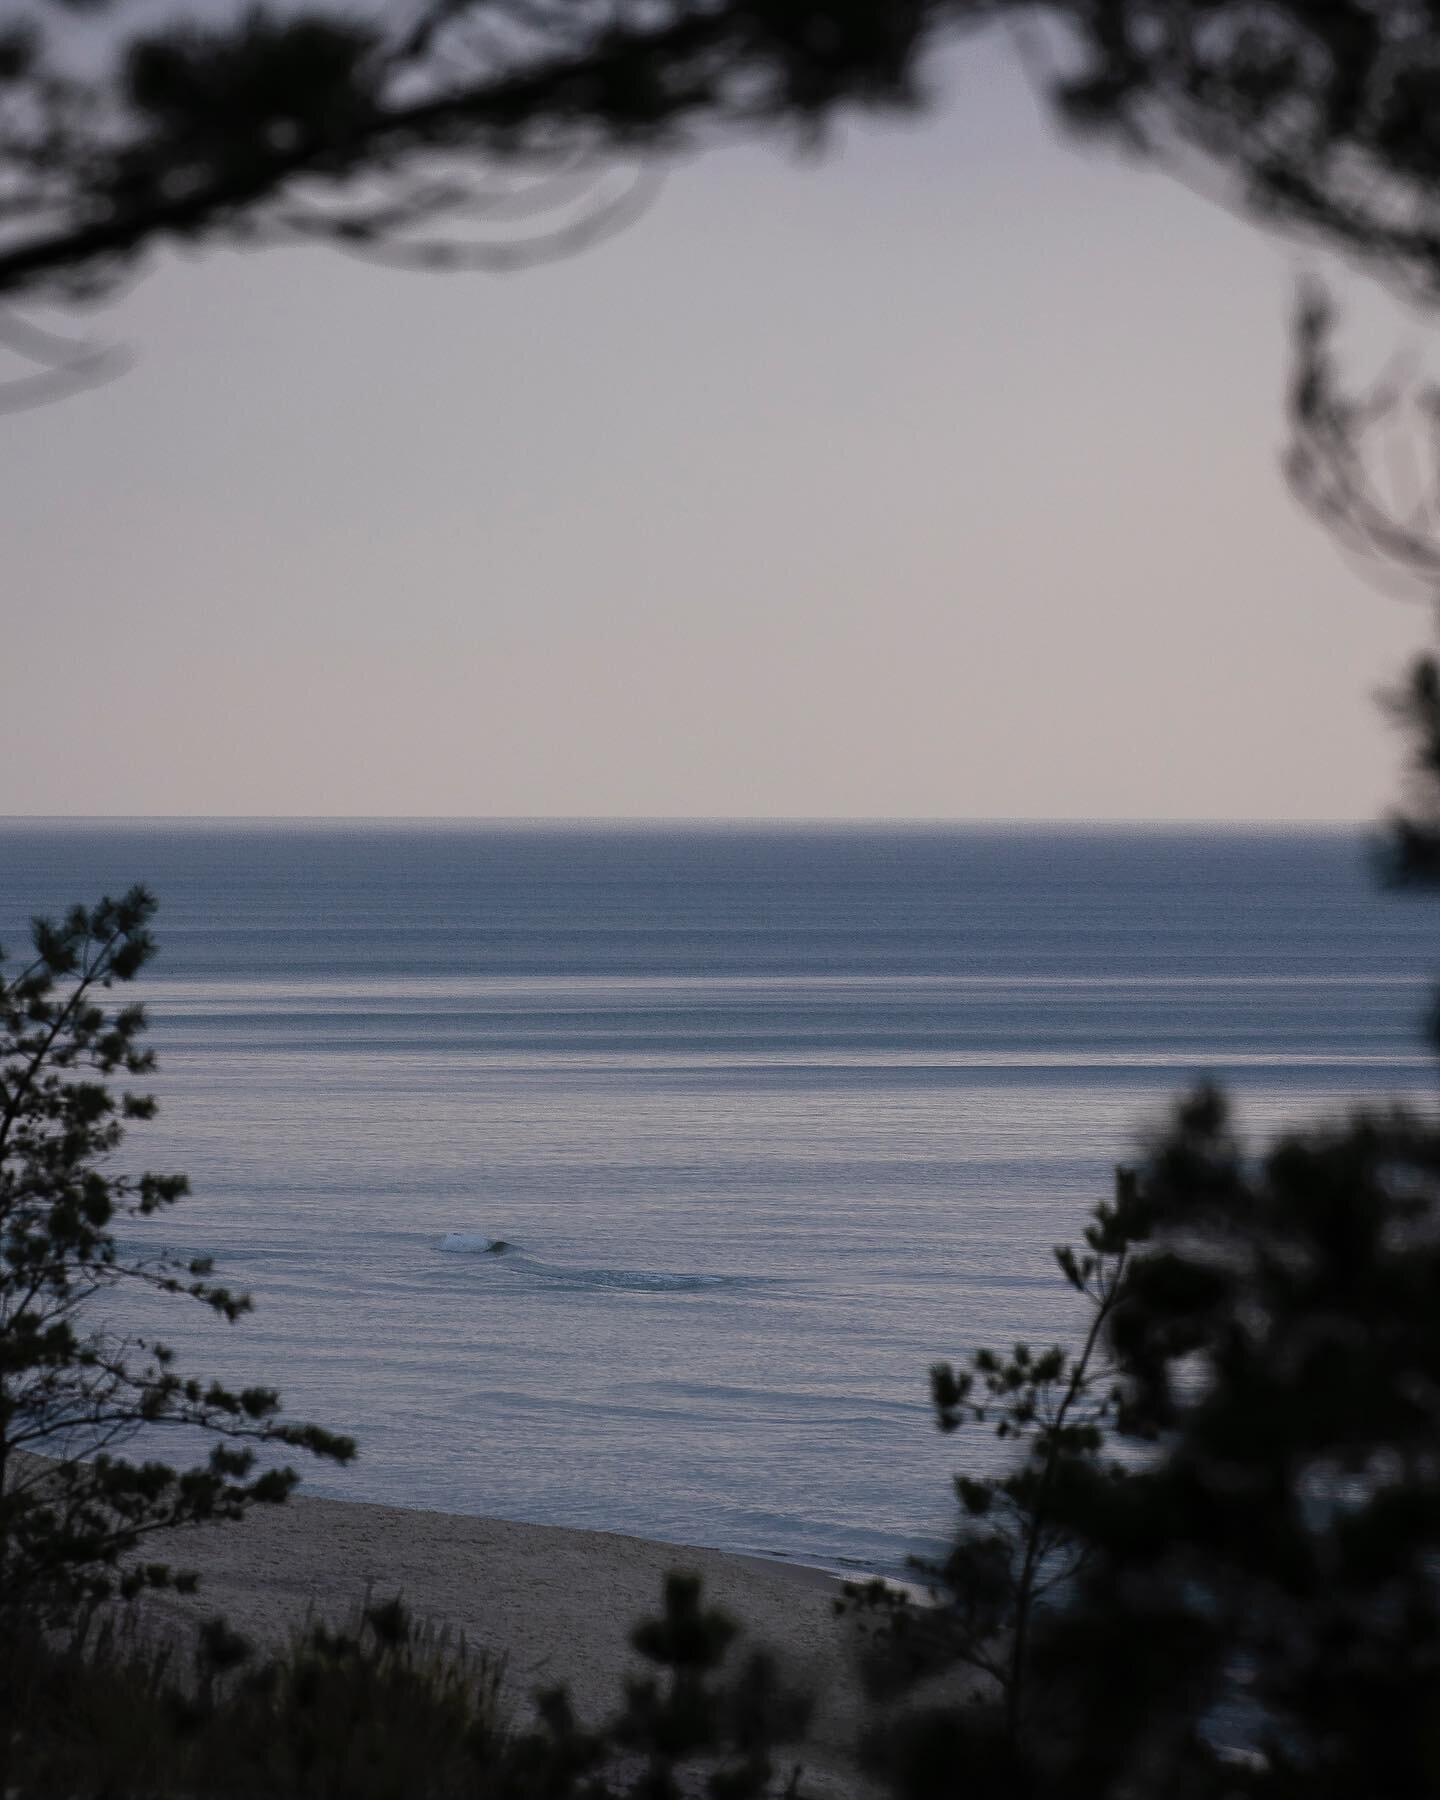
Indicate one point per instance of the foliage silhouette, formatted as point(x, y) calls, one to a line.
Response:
point(1253, 1604)
point(1274, 1556)
point(367, 130)
point(74, 1508)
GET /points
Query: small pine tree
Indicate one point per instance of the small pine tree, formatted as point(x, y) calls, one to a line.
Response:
point(1015, 1556)
point(691, 1711)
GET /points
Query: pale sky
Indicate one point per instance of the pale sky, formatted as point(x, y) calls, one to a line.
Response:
point(935, 478)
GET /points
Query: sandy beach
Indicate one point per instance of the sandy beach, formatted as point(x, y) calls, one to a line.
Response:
point(556, 1604)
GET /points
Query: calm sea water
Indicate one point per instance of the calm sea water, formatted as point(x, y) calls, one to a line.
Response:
point(772, 1117)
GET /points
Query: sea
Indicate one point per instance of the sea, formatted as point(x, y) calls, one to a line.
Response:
point(632, 1176)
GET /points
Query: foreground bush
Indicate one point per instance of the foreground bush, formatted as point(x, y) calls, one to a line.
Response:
point(376, 1710)
point(383, 1709)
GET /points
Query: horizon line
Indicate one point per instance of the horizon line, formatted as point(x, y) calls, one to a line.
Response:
point(715, 820)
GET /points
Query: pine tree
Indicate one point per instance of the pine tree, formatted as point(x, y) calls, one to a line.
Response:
point(76, 1398)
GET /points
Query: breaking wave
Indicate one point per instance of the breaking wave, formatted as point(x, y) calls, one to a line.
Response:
point(628, 1281)
point(475, 1243)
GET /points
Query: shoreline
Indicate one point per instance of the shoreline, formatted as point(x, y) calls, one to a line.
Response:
point(555, 1603)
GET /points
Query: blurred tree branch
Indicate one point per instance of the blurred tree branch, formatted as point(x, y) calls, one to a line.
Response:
point(313, 122)
point(59, 366)
point(1366, 465)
